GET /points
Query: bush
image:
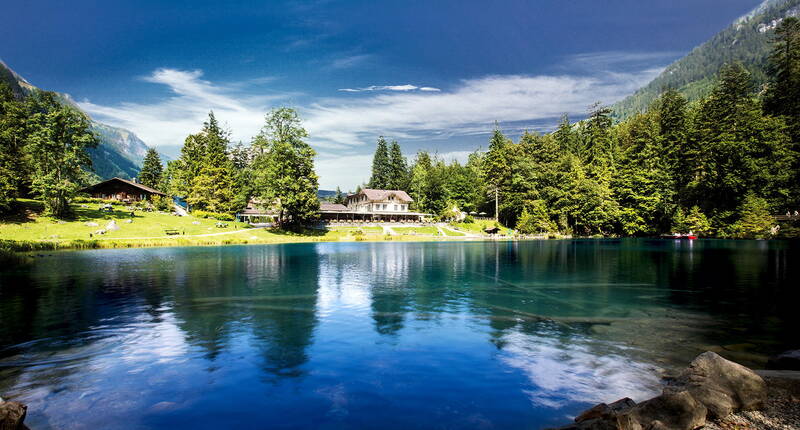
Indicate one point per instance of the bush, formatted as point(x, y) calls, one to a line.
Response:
point(755, 221)
point(468, 219)
point(214, 215)
point(163, 204)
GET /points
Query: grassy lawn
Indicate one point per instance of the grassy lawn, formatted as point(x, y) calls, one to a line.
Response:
point(449, 232)
point(427, 230)
point(27, 229)
point(477, 226)
point(27, 224)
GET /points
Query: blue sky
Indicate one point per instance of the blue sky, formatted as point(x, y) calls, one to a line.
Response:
point(432, 74)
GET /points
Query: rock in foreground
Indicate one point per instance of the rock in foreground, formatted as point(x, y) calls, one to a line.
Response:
point(720, 385)
point(711, 387)
point(12, 415)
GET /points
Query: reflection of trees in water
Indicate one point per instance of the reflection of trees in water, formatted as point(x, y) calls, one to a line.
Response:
point(283, 331)
point(69, 295)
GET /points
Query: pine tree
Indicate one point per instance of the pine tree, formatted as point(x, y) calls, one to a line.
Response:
point(419, 180)
point(57, 143)
point(740, 150)
point(213, 187)
point(339, 197)
point(398, 170)
point(13, 163)
point(284, 169)
point(152, 170)
point(496, 168)
point(782, 97)
point(381, 169)
point(565, 137)
point(755, 220)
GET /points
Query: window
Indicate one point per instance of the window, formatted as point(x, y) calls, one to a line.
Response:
point(395, 207)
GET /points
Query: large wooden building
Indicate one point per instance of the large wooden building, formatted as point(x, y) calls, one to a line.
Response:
point(372, 205)
point(122, 190)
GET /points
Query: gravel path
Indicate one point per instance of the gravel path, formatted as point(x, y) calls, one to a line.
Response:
point(782, 411)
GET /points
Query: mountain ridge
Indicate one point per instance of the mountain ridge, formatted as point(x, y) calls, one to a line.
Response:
point(746, 40)
point(119, 152)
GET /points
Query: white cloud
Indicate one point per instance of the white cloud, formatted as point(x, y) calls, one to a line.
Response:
point(349, 61)
point(406, 87)
point(341, 127)
point(471, 107)
point(168, 121)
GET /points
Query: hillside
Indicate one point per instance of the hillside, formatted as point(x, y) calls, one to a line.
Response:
point(120, 152)
point(746, 40)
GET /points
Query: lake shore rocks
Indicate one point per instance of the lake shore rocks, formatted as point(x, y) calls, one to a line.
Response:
point(710, 388)
point(12, 415)
point(722, 386)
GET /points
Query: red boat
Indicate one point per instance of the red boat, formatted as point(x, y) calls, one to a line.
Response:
point(690, 236)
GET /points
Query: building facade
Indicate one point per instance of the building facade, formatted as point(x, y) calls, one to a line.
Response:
point(122, 190)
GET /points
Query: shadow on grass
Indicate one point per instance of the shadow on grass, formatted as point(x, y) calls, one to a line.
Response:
point(25, 211)
point(298, 231)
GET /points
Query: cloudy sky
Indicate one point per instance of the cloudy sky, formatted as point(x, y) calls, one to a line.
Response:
point(433, 75)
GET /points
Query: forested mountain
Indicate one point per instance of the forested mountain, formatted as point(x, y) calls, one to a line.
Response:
point(747, 40)
point(120, 152)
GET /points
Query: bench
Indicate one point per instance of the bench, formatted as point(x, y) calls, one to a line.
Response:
point(171, 231)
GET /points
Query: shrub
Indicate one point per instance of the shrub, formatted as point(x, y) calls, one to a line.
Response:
point(468, 219)
point(214, 215)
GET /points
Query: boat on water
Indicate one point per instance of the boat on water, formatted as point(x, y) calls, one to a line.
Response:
point(689, 235)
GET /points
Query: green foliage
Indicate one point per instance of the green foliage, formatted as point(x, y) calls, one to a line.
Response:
point(755, 220)
point(214, 215)
point(696, 222)
point(152, 169)
point(13, 164)
point(58, 138)
point(398, 170)
point(213, 187)
point(284, 168)
point(381, 169)
point(162, 203)
point(535, 219)
point(746, 41)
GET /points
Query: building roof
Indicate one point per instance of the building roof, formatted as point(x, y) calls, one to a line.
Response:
point(125, 181)
point(332, 207)
point(382, 195)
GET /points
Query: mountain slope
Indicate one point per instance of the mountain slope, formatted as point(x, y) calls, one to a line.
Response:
point(119, 153)
point(746, 40)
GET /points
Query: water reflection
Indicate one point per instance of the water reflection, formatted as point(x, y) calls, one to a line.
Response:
point(358, 335)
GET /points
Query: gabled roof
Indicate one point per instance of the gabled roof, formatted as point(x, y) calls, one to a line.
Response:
point(134, 184)
point(332, 207)
point(381, 195)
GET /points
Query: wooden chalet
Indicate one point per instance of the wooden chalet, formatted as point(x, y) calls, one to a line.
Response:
point(122, 190)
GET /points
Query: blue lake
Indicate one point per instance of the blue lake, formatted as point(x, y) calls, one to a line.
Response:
point(506, 335)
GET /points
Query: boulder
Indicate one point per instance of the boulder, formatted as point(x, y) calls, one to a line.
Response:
point(722, 386)
point(112, 226)
point(676, 411)
point(605, 411)
point(92, 224)
point(789, 360)
point(12, 414)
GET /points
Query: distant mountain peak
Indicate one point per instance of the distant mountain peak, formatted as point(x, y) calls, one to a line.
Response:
point(120, 152)
point(746, 40)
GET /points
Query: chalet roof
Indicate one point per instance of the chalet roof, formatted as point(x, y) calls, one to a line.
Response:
point(332, 207)
point(125, 181)
point(381, 195)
